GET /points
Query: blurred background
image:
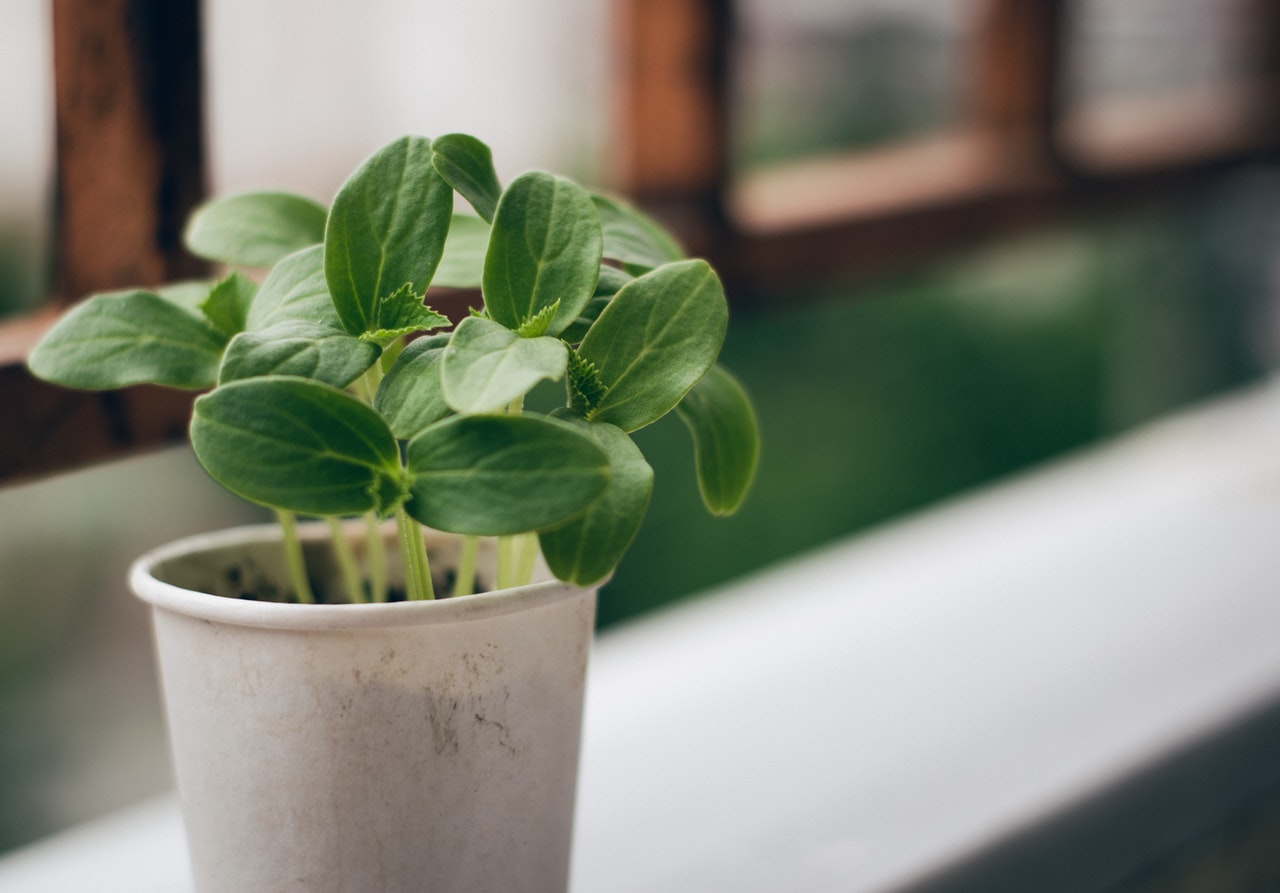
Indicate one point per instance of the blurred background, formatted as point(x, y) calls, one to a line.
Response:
point(940, 274)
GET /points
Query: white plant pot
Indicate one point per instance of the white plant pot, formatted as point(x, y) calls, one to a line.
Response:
point(405, 746)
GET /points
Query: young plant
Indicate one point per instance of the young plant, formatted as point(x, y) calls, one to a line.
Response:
point(333, 391)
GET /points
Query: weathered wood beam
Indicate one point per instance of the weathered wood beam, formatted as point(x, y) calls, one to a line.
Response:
point(130, 166)
point(130, 158)
point(671, 99)
point(1017, 66)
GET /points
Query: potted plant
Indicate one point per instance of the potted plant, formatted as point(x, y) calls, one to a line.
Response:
point(360, 705)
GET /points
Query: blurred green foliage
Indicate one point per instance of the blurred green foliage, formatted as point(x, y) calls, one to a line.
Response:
point(881, 399)
point(22, 267)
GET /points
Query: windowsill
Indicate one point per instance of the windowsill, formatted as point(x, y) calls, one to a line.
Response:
point(944, 169)
point(1051, 684)
point(1186, 127)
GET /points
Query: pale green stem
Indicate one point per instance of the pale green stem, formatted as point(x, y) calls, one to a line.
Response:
point(375, 558)
point(361, 389)
point(506, 561)
point(293, 559)
point(347, 564)
point(507, 570)
point(390, 354)
point(527, 555)
point(372, 378)
point(417, 570)
point(465, 584)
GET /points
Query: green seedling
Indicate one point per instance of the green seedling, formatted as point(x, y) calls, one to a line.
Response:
point(333, 391)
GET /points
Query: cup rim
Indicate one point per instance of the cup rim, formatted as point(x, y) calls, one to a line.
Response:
point(277, 615)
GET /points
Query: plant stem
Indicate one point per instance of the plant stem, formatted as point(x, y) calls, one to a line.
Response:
point(346, 562)
point(507, 544)
point(293, 559)
point(526, 556)
point(417, 571)
point(390, 354)
point(506, 561)
point(375, 558)
point(360, 387)
point(465, 583)
point(372, 378)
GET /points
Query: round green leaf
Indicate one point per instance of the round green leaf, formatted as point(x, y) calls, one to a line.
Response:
point(486, 366)
point(611, 281)
point(387, 228)
point(188, 294)
point(726, 439)
point(463, 263)
point(294, 347)
point(544, 248)
point(654, 341)
point(227, 304)
point(467, 165)
point(410, 396)
point(633, 238)
point(588, 548)
point(254, 229)
point(294, 289)
point(498, 475)
point(127, 338)
point(297, 445)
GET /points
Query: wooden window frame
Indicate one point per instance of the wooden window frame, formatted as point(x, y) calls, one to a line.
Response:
point(836, 219)
point(130, 166)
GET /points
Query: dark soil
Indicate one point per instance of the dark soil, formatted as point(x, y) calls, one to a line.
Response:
point(244, 581)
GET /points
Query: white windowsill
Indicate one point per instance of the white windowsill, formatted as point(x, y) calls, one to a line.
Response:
point(986, 678)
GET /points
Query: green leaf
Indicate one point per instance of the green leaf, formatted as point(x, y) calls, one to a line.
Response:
point(298, 446)
point(188, 294)
point(544, 247)
point(467, 165)
point(254, 229)
point(126, 338)
point(296, 347)
point(463, 263)
point(410, 396)
point(403, 313)
point(726, 439)
point(227, 303)
point(609, 284)
point(498, 475)
point(590, 313)
point(633, 238)
point(588, 548)
point(658, 336)
point(294, 289)
point(387, 227)
point(611, 281)
point(486, 365)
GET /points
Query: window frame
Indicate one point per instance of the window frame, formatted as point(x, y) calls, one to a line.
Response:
point(130, 150)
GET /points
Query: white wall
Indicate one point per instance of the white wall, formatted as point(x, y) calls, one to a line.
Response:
point(301, 92)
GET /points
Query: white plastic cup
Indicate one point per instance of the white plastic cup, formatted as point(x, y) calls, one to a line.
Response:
point(406, 746)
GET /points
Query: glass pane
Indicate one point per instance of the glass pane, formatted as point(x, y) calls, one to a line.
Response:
point(816, 76)
point(1136, 48)
point(297, 100)
point(1149, 81)
point(26, 152)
